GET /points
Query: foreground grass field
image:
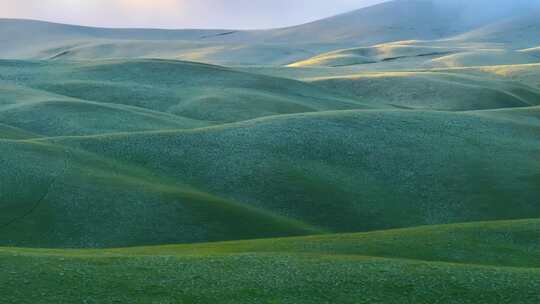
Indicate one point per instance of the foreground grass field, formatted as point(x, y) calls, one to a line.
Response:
point(463, 263)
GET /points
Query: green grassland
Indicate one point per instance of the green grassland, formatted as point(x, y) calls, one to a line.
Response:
point(165, 94)
point(467, 263)
point(433, 90)
point(131, 189)
point(348, 160)
point(111, 161)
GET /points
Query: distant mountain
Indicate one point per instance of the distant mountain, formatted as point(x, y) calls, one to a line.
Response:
point(408, 19)
point(511, 22)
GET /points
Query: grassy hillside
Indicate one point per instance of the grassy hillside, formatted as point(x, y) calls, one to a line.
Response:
point(422, 54)
point(378, 53)
point(62, 115)
point(284, 163)
point(386, 155)
point(210, 52)
point(78, 117)
point(484, 58)
point(188, 92)
point(419, 265)
point(144, 95)
point(368, 170)
point(57, 197)
point(9, 132)
point(434, 90)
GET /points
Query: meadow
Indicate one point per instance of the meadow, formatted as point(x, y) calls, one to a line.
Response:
point(348, 160)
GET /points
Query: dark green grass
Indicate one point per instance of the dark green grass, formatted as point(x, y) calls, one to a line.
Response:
point(118, 153)
point(420, 265)
point(329, 172)
point(340, 171)
point(77, 117)
point(350, 171)
point(59, 197)
point(186, 90)
point(9, 132)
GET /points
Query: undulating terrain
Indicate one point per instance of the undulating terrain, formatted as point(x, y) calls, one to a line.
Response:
point(386, 155)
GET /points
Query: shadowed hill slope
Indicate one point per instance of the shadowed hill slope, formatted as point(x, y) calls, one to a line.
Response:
point(53, 196)
point(62, 115)
point(280, 163)
point(77, 117)
point(9, 132)
point(138, 95)
point(367, 170)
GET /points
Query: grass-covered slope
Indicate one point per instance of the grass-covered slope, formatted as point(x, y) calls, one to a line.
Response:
point(529, 116)
point(483, 58)
point(62, 115)
point(215, 53)
point(46, 35)
point(433, 90)
point(378, 53)
point(422, 54)
point(77, 117)
point(281, 178)
point(190, 91)
point(69, 42)
point(52, 196)
point(527, 73)
point(446, 264)
point(140, 152)
point(341, 171)
point(9, 132)
point(367, 169)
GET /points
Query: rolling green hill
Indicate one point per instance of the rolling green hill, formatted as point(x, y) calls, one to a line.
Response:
point(472, 263)
point(77, 117)
point(386, 155)
point(379, 53)
point(57, 197)
point(9, 132)
point(424, 54)
point(434, 90)
point(192, 91)
point(351, 164)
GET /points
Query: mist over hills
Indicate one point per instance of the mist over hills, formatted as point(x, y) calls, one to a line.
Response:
point(467, 21)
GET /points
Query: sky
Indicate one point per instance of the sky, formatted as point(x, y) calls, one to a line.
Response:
point(233, 14)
